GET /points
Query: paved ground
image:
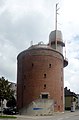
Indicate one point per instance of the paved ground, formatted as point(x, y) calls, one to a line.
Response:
point(57, 116)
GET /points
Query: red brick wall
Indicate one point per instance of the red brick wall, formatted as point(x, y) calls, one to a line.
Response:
point(32, 65)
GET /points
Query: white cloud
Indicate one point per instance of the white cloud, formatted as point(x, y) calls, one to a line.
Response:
point(70, 28)
point(8, 57)
point(22, 21)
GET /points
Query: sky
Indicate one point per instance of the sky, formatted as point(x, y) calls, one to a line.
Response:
point(23, 21)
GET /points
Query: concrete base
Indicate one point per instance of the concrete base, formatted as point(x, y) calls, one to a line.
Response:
point(40, 107)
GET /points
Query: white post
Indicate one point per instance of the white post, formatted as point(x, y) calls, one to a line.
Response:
point(1, 107)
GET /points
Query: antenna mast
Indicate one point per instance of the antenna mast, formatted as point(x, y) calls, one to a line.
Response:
point(56, 24)
point(65, 49)
point(31, 43)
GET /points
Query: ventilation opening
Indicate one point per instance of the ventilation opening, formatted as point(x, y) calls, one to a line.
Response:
point(44, 75)
point(44, 86)
point(49, 65)
point(32, 64)
point(44, 96)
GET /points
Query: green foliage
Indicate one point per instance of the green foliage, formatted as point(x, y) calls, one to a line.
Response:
point(1, 117)
point(11, 102)
point(5, 89)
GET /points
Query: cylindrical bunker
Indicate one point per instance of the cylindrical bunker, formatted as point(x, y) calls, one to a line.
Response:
point(40, 80)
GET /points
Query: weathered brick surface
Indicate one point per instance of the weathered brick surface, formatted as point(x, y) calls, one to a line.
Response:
point(36, 68)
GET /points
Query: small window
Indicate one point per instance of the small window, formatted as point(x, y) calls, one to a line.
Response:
point(44, 86)
point(49, 65)
point(44, 75)
point(32, 64)
point(44, 96)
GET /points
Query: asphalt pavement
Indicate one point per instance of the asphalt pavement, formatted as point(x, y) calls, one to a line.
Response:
point(67, 115)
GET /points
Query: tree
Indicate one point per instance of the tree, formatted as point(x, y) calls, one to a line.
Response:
point(5, 89)
point(11, 102)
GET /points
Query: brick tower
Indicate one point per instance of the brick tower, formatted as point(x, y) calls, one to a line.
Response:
point(40, 84)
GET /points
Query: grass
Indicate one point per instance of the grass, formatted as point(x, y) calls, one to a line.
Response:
point(13, 117)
